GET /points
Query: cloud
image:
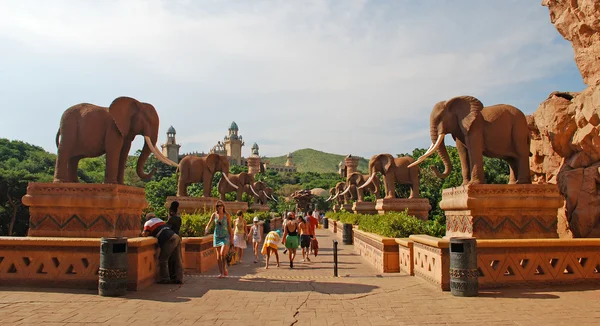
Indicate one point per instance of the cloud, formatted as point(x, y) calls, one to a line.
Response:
point(340, 76)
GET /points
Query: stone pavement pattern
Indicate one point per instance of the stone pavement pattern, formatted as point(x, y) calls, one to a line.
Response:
point(306, 295)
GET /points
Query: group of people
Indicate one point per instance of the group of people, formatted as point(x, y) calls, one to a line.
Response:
point(297, 232)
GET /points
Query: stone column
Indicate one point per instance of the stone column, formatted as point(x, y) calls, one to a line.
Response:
point(352, 164)
point(253, 165)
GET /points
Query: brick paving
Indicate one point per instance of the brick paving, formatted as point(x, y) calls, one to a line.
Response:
point(306, 295)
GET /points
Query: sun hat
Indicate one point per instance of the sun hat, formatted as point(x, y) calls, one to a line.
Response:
point(255, 219)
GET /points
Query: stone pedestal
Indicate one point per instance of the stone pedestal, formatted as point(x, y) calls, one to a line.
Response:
point(234, 206)
point(490, 211)
point(253, 165)
point(418, 207)
point(84, 210)
point(351, 164)
point(365, 207)
point(191, 205)
point(259, 208)
point(346, 207)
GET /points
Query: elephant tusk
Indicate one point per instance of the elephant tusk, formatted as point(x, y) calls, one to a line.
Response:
point(229, 181)
point(345, 191)
point(429, 152)
point(336, 195)
point(158, 154)
point(328, 199)
point(274, 199)
point(368, 182)
point(253, 191)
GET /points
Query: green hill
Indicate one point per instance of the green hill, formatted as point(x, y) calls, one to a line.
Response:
point(310, 160)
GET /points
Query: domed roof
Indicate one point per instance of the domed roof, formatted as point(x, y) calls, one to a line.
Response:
point(289, 155)
point(319, 192)
point(171, 130)
point(233, 126)
point(255, 146)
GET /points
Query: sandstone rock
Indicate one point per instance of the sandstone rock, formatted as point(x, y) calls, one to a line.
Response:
point(579, 23)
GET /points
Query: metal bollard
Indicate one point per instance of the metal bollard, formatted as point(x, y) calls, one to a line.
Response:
point(335, 260)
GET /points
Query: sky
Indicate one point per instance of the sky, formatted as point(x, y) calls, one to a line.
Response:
point(347, 77)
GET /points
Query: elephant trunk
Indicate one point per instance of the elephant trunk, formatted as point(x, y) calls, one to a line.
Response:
point(443, 155)
point(142, 160)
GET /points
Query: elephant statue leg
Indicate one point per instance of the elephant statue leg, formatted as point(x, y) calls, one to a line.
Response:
point(512, 163)
point(415, 185)
point(360, 194)
point(123, 161)
point(389, 186)
point(73, 163)
point(475, 156)
point(207, 180)
point(240, 192)
point(182, 188)
point(113, 156)
point(463, 154)
point(222, 196)
point(523, 173)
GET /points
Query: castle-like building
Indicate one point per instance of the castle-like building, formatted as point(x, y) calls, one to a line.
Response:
point(232, 148)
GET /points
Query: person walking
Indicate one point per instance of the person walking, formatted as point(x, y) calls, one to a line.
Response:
point(304, 238)
point(174, 223)
point(270, 246)
point(239, 238)
point(256, 234)
point(223, 235)
point(313, 223)
point(170, 245)
point(291, 239)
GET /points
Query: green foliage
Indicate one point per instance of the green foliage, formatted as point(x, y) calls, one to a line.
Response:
point(193, 225)
point(316, 161)
point(157, 193)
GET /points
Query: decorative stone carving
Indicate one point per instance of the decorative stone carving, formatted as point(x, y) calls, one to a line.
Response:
point(84, 210)
point(234, 206)
point(259, 207)
point(487, 211)
point(364, 207)
point(418, 207)
point(191, 205)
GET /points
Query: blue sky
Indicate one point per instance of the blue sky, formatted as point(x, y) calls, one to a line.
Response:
point(351, 76)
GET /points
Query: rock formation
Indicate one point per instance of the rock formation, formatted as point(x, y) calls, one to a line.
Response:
point(566, 127)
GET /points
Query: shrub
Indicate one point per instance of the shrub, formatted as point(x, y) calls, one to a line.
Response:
point(393, 225)
point(193, 225)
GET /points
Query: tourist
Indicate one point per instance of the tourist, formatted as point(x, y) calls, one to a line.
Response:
point(289, 216)
point(170, 245)
point(174, 223)
point(270, 246)
point(313, 223)
point(256, 234)
point(223, 235)
point(291, 239)
point(239, 239)
point(304, 237)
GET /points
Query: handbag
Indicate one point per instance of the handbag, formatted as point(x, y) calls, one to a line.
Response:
point(315, 246)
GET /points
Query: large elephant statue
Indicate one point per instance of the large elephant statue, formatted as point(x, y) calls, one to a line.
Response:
point(260, 197)
point(193, 169)
point(269, 193)
point(395, 170)
point(498, 131)
point(243, 181)
point(358, 179)
point(88, 130)
point(344, 196)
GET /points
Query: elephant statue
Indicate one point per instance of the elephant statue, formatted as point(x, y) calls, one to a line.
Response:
point(243, 181)
point(356, 180)
point(395, 170)
point(340, 188)
point(498, 131)
point(260, 196)
point(88, 130)
point(269, 193)
point(193, 169)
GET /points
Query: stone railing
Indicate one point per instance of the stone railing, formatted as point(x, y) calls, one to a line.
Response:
point(379, 251)
point(70, 262)
point(199, 255)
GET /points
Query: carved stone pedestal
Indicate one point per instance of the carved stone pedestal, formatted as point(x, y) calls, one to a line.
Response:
point(364, 207)
point(346, 207)
point(191, 205)
point(418, 207)
point(234, 206)
point(84, 210)
point(259, 208)
point(490, 211)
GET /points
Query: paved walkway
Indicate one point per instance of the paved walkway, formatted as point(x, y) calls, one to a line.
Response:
point(306, 295)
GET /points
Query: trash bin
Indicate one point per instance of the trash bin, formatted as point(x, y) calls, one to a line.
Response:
point(325, 223)
point(347, 237)
point(463, 267)
point(113, 267)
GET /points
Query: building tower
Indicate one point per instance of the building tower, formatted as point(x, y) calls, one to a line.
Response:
point(289, 162)
point(254, 160)
point(233, 145)
point(351, 163)
point(171, 149)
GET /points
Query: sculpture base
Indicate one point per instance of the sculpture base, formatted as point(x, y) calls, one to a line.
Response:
point(259, 208)
point(346, 207)
point(364, 207)
point(489, 211)
point(193, 205)
point(418, 207)
point(83, 210)
point(234, 206)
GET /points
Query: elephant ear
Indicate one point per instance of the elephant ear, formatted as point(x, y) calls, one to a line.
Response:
point(211, 162)
point(386, 162)
point(466, 108)
point(122, 110)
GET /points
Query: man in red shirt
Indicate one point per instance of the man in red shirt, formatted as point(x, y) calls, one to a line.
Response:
point(313, 222)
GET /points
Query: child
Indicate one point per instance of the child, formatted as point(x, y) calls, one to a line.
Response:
point(270, 246)
point(256, 234)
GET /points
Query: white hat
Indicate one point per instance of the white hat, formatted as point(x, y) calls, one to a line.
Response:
point(255, 219)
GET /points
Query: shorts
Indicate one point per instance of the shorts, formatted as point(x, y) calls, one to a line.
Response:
point(305, 241)
point(291, 242)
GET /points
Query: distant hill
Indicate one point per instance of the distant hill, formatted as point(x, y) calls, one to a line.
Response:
point(310, 160)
